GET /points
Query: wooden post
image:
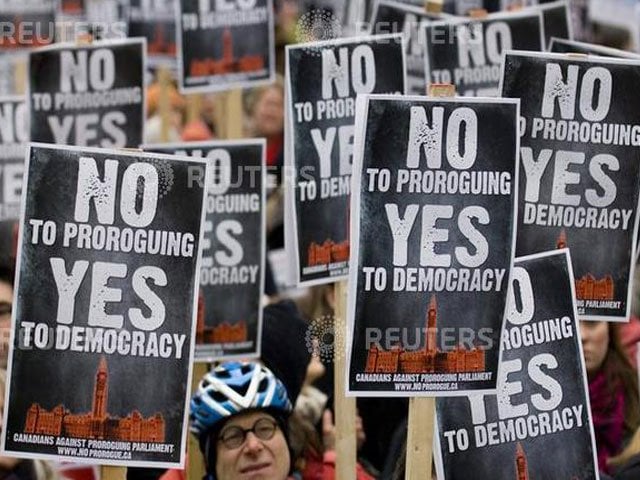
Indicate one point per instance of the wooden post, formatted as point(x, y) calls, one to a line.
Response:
point(194, 106)
point(434, 6)
point(107, 472)
point(233, 110)
point(420, 438)
point(20, 76)
point(164, 102)
point(195, 461)
point(477, 13)
point(420, 424)
point(345, 408)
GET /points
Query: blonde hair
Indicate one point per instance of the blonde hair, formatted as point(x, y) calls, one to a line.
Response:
point(632, 449)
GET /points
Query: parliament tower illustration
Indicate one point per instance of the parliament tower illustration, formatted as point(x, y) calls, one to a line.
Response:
point(429, 359)
point(97, 424)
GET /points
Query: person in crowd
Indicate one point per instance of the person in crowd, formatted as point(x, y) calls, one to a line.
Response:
point(288, 354)
point(265, 108)
point(6, 302)
point(17, 468)
point(239, 414)
point(613, 389)
point(153, 124)
point(627, 465)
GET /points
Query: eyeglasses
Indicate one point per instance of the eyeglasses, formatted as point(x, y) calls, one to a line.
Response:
point(233, 437)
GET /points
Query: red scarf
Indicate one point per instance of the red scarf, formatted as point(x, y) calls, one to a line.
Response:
point(607, 410)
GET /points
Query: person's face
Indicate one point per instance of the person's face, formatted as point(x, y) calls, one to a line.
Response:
point(6, 299)
point(254, 459)
point(269, 112)
point(595, 343)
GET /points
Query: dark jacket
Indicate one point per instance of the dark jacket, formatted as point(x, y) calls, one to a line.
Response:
point(630, 470)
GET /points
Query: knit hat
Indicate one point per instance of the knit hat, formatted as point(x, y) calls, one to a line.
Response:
point(284, 349)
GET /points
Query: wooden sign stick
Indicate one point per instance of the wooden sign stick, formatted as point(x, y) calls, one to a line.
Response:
point(20, 77)
point(345, 408)
point(164, 102)
point(108, 472)
point(194, 107)
point(233, 109)
point(422, 410)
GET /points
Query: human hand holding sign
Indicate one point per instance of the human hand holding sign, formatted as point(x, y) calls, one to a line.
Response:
point(329, 431)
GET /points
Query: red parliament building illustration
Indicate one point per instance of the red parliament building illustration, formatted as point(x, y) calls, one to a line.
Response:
point(226, 64)
point(427, 360)
point(588, 287)
point(97, 424)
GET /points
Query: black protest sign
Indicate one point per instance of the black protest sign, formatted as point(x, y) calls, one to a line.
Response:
point(557, 20)
point(433, 211)
point(559, 45)
point(225, 44)
point(107, 283)
point(27, 23)
point(233, 247)
point(538, 424)
point(394, 17)
point(579, 184)
point(13, 138)
point(468, 53)
point(155, 20)
point(88, 95)
point(323, 80)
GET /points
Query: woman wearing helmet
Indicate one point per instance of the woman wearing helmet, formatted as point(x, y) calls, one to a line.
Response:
point(239, 414)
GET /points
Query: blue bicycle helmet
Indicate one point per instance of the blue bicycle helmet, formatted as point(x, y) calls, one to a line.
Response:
point(233, 387)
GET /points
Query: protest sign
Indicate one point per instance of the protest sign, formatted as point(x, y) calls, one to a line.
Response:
point(105, 306)
point(579, 187)
point(155, 20)
point(556, 19)
point(323, 79)
point(13, 138)
point(225, 45)
point(395, 17)
point(538, 424)
point(559, 45)
point(468, 52)
point(27, 23)
point(432, 221)
point(233, 257)
point(88, 95)
point(108, 19)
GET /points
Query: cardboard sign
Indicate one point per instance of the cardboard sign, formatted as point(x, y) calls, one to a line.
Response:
point(13, 138)
point(432, 221)
point(225, 45)
point(579, 182)
point(88, 95)
point(27, 23)
point(155, 20)
point(233, 257)
point(556, 17)
point(538, 425)
point(468, 53)
point(105, 306)
point(395, 17)
point(323, 79)
point(108, 19)
point(559, 45)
